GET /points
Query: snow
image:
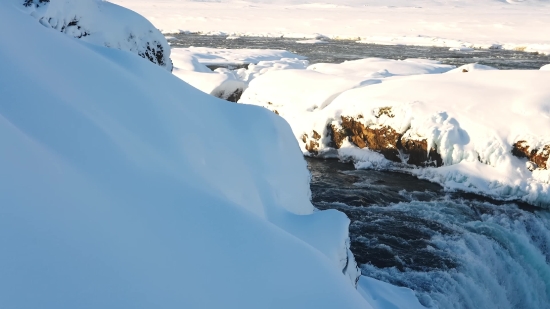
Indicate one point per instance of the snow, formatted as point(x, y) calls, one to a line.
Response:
point(219, 84)
point(102, 23)
point(460, 23)
point(190, 66)
point(471, 67)
point(224, 57)
point(473, 118)
point(382, 295)
point(380, 68)
point(124, 187)
point(312, 41)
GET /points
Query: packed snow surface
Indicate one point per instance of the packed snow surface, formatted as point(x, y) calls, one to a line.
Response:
point(124, 187)
point(458, 24)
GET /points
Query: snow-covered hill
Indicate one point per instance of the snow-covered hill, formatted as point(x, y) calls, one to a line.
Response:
point(124, 187)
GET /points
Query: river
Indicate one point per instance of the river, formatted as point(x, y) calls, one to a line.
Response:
point(455, 250)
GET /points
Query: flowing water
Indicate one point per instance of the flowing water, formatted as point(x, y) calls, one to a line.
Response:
point(336, 51)
point(455, 250)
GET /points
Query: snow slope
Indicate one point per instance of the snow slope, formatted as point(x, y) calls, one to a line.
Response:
point(507, 24)
point(102, 23)
point(123, 187)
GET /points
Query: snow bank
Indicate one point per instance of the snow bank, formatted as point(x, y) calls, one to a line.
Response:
point(102, 23)
point(454, 24)
point(233, 57)
point(262, 67)
point(474, 127)
point(380, 68)
point(294, 94)
point(221, 84)
point(225, 83)
point(123, 187)
point(382, 295)
point(472, 67)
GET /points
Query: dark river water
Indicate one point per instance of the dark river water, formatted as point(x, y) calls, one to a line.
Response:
point(336, 51)
point(454, 250)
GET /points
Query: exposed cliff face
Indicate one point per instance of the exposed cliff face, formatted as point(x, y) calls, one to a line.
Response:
point(103, 23)
point(539, 156)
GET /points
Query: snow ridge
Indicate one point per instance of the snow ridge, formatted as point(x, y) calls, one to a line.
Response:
point(103, 23)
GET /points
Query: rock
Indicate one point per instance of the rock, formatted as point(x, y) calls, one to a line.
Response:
point(385, 140)
point(538, 156)
point(417, 150)
point(313, 145)
point(229, 96)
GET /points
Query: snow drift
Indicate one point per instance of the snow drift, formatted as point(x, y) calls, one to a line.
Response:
point(474, 129)
point(102, 23)
point(123, 187)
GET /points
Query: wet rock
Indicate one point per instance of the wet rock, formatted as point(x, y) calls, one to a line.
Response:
point(393, 145)
point(538, 156)
point(229, 96)
point(417, 150)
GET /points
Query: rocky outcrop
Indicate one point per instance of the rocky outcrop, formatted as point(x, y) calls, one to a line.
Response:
point(538, 156)
point(313, 144)
point(394, 146)
point(233, 96)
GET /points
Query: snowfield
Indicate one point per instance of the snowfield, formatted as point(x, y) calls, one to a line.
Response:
point(455, 24)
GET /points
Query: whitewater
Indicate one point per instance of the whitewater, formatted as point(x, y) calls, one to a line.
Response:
point(453, 249)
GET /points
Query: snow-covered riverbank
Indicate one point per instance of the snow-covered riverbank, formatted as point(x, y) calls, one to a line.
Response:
point(472, 128)
point(464, 23)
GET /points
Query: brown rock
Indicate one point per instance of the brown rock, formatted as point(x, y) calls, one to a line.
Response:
point(384, 140)
point(418, 153)
point(312, 147)
point(337, 136)
point(304, 138)
point(316, 135)
point(539, 156)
